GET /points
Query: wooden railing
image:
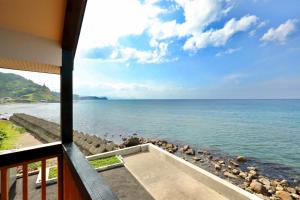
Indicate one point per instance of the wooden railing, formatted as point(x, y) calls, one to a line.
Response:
point(76, 178)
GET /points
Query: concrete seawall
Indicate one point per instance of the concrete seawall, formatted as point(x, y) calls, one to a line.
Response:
point(47, 132)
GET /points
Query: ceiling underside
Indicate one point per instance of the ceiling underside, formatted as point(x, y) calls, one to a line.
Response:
point(31, 33)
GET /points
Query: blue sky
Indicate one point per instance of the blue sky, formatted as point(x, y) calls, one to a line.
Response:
point(188, 49)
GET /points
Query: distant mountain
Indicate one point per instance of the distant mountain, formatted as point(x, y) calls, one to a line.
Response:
point(91, 98)
point(15, 88)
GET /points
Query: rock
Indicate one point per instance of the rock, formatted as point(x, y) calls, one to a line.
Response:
point(206, 153)
point(251, 168)
point(295, 196)
point(243, 174)
point(283, 195)
point(274, 183)
point(190, 152)
point(186, 147)
point(253, 173)
point(234, 163)
point(258, 187)
point(210, 157)
point(200, 152)
point(217, 167)
point(131, 141)
point(181, 150)
point(291, 190)
point(230, 175)
point(279, 188)
point(265, 182)
point(221, 162)
point(109, 147)
point(235, 171)
point(297, 188)
point(196, 158)
point(241, 159)
point(284, 183)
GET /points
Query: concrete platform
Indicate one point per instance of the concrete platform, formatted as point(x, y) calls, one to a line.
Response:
point(165, 181)
point(166, 176)
point(124, 185)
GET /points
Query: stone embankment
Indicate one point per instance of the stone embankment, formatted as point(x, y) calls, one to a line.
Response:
point(46, 132)
point(249, 178)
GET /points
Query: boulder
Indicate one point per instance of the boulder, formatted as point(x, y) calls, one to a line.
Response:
point(217, 167)
point(243, 174)
point(109, 147)
point(295, 196)
point(284, 183)
point(241, 159)
point(251, 168)
point(229, 175)
point(196, 158)
point(297, 188)
point(291, 190)
point(234, 163)
point(185, 147)
point(283, 195)
point(131, 141)
point(265, 182)
point(221, 162)
point(190, 152)
point(279, 188)
point(235, 171)
point(258, 187)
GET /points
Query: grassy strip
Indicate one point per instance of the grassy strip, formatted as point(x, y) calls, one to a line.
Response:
point(52, 173)
point(101, 162)
point(9, 134)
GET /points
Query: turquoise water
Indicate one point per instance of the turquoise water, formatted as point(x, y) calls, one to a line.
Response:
point(267, 130)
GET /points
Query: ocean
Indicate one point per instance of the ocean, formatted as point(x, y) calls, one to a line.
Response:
point(266, 130)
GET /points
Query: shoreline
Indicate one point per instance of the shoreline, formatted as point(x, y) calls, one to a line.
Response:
point(243, 172)
point(239, 170)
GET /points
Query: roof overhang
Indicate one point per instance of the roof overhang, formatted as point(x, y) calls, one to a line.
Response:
point(33, 33)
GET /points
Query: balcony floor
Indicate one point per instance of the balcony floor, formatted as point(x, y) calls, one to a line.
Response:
point(35, 194)
point(124, 185)
point(165, 181)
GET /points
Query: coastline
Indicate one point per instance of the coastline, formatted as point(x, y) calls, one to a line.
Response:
point(243, 172)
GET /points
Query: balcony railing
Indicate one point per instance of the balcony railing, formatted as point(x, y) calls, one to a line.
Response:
point(76, 178)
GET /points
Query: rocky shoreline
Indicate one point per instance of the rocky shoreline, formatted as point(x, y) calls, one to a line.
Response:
point(236, 170)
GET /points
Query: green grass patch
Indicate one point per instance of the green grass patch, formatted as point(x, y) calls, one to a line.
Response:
point(36, 165)
point(9, 135)
point(53, 172)
point(101, 162)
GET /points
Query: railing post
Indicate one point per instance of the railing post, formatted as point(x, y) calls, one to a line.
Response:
point(4, 184)
point(25, 181)
point(43, 184)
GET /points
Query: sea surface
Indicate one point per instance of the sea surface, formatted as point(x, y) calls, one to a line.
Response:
point(265, 130)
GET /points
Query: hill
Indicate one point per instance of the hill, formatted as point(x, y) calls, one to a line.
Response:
point(15, 88)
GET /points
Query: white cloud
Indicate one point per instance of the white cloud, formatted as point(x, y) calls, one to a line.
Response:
point(105, 22)
point(198, 15)
point(228, 51)
point(155, 56)
point(219, 37)
point(281, 33)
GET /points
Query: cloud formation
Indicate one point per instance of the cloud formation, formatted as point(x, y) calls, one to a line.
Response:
point(281, 33)
point(107, 25)
point(220, 37)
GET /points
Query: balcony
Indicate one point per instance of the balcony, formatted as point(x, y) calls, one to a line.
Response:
point(76, 178)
